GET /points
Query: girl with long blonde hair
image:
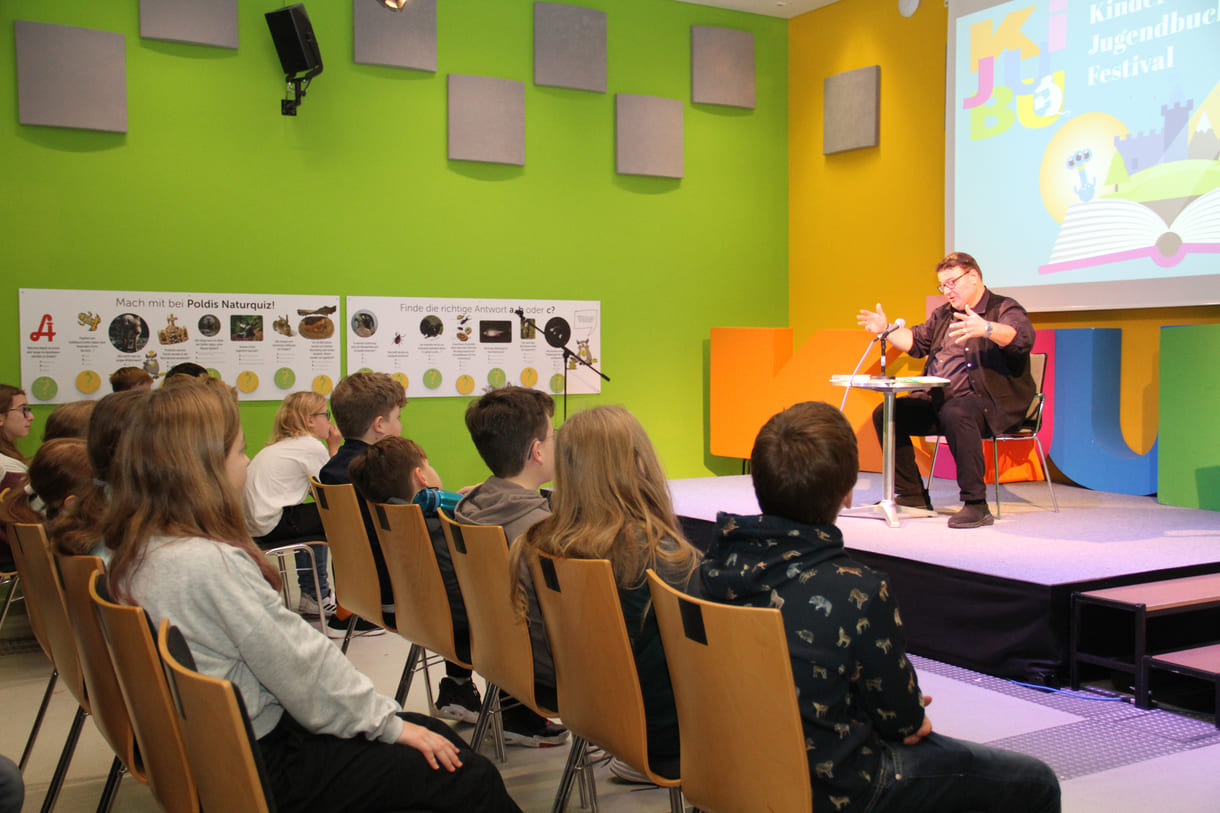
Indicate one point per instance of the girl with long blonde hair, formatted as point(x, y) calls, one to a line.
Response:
point(303, 439)
point(182, 552)
point(611, 501)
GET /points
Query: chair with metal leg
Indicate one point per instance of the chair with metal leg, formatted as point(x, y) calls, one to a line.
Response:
point(101, 685)
point(733, 660)
point(45, 597)
point(304, 546)
point(133, 651)
point(1027, 430)
point(422, 611)
point(220, 745)
point(500, 646)
point(356, 580)
point(598, 685)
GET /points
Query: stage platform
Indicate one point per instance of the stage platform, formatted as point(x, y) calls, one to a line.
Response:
point(997, 599)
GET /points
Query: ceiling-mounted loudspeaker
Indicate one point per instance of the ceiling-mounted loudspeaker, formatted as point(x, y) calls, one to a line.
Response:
point(907, 7)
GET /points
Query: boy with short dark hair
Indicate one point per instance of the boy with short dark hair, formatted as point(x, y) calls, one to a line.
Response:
point(869, 742)
point(396, 471)
point(512, 431)
point(366, 408)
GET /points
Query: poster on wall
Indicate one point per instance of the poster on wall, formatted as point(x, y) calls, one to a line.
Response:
point(454, 347)
point(267, 345)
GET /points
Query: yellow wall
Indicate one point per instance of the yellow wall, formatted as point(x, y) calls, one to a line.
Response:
point(868, 225)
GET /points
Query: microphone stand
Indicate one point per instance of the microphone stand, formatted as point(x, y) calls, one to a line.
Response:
point(567, 354)
point(881, 339)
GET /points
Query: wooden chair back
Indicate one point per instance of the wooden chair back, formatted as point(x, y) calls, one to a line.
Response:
point(34, 612)
point(598, 685)
point(500, 647)
point(733, 660)
point(356, 581)
point(45, 597)
point(102, 685)
point(421, 603)
point(137, 666)
point(220, 745)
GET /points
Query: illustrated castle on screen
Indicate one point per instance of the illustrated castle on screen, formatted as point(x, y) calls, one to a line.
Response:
point(1173, 142)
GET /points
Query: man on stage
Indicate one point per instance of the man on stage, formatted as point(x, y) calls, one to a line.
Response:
point(980, 341)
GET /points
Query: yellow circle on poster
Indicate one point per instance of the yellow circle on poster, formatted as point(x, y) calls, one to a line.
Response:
point(322, 385)
point(529, 377)
point(465, 384)
point(402, 379)
point(247, 381)
point(88, 381)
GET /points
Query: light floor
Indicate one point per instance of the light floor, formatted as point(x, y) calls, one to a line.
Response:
point(1110, 756)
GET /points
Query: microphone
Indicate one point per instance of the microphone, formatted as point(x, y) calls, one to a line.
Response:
point(895, 325)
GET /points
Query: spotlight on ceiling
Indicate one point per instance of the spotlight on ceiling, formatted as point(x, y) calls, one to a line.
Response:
point(394, 5)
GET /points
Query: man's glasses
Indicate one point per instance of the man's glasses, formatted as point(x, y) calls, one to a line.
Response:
point(950, 284)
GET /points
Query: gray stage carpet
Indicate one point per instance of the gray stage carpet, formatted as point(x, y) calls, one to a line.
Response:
point(1094, 535)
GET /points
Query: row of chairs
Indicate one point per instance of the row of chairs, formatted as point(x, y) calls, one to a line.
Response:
point(729, 665)
point(183, 734)
point(728, 660)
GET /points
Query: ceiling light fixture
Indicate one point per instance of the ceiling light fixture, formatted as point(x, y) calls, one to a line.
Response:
point(394, 5)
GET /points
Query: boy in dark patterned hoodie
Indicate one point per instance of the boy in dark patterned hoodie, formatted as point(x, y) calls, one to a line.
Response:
point(869, 743)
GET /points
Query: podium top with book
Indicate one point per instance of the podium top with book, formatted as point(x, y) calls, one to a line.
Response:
point(889, 386)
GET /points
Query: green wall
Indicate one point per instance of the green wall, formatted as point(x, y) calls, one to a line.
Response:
point(212, 190)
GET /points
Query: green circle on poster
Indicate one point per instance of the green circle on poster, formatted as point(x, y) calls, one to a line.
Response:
point(285, 378)
point(557, 383)
point(497, 378)
point(44, 388)
point(433, 378)
point(365, 370)
point(214, 373)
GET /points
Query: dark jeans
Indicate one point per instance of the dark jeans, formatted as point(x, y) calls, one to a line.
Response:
point(961, 420)
point(319, 772)
point(943, 775)
point(301, 523)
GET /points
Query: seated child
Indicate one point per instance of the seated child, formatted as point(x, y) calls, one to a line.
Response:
point(366, 408)
point(870, 743)
point(396, 471)
point(511, 429)
point(612, 502)
point(328, 739)
point(277, 486)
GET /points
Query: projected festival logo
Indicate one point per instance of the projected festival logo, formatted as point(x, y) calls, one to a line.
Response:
point(1113, 108)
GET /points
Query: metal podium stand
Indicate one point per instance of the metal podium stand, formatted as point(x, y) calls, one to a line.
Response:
point(889, 387)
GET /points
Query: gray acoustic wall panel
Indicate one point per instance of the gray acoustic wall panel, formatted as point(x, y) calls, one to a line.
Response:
point(648, 136)
point(852, 110)
point(569, 47)
point(722, 66)
point(486, 119)
point(202, 22)
point(71, 77)
point(397, 39)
